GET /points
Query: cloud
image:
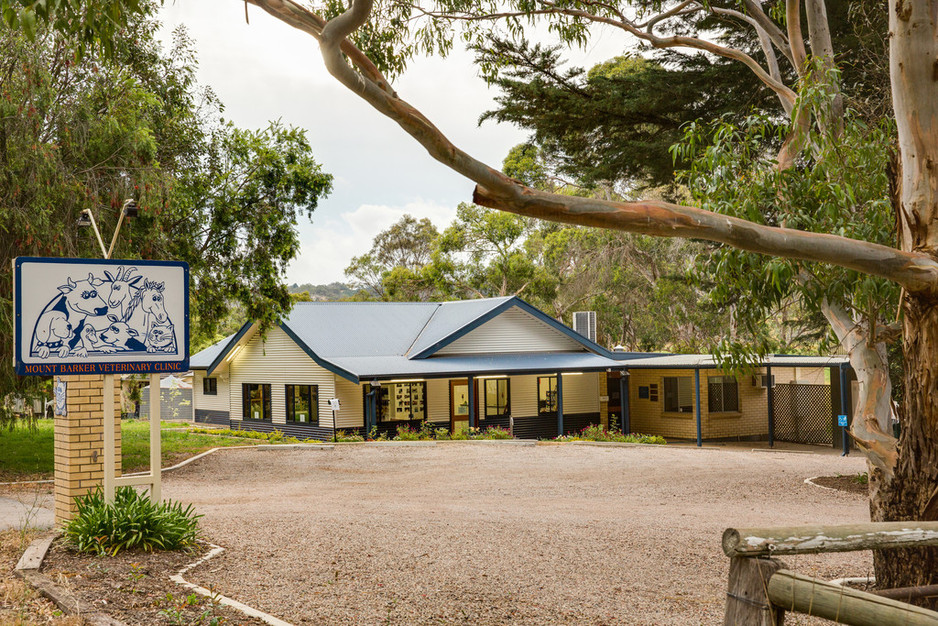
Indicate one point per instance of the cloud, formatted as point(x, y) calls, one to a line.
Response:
point(327, 248)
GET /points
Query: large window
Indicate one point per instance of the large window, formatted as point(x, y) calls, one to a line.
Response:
point(401, 401)
point(256, 401)
point(496, 397)
point(546, 394)
point(303, 404)
point(678, 394)
point(723, 393)
point(209, 386)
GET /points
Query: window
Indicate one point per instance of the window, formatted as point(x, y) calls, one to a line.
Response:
point(303, 404)
point(401, 401)
point(546, 394)
point(496, 397)
point(678, 394)
point(209, 386)
point(723, 394)
point(256, 401)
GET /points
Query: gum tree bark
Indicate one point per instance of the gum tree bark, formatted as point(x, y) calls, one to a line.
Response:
point(913, 494)
point(906, 479)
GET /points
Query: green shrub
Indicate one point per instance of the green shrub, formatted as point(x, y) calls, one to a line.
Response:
point(597, 432)
point(345, 437)
point(132, 522)
point(492, 432)
point(406, 433)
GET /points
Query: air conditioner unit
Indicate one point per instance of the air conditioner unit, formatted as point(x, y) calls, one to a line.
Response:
point(584, 322)
point(762, 380)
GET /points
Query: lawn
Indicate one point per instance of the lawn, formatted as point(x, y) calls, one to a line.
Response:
point(27, 454)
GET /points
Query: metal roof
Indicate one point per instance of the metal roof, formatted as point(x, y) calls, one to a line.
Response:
point(201, 360)
point(692, 361)
point(369, 368)
point(450, 317)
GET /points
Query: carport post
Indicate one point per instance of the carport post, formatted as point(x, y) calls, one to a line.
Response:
point(472, 401)
point(697, 396)
point(843, 408)
point(770, 406)
point(626, 422)
point(560, 404)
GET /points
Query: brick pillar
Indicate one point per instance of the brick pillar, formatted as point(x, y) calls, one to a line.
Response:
point(79, 442)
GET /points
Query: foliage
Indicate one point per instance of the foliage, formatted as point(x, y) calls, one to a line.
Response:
point(343, 436)
point(429, 431)
point(597, 432)
point(131, 522)
point(88, 133)
point(843, 171)
point(393, 268)
point(330, 292)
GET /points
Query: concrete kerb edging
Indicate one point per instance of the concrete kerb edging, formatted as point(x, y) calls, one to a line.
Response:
point(217, 597)
point(810, 481)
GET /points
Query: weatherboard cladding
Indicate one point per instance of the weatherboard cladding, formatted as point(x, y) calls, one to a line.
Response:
point(449, 317)
point(217, 402)
point(513, 330)
point(278, 361)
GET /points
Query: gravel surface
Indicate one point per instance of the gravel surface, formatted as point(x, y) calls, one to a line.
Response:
point(489, 534)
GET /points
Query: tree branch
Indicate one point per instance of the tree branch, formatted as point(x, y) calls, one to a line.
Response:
point(917, 272)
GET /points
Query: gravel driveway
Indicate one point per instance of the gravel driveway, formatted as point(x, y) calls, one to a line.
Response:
point(500, 534)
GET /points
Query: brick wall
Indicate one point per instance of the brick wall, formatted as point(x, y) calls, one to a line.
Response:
point(79, 442)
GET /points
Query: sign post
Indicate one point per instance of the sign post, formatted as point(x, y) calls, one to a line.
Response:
point(844, 433)
point(101, 316)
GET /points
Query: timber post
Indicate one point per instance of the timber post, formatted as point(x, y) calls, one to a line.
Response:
point(747, 596)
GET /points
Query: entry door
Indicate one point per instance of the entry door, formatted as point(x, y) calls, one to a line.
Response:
point(615, 399)
point(459, 405)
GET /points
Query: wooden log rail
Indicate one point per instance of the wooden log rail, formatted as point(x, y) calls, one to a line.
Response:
point(815, 539)
point(762, 589)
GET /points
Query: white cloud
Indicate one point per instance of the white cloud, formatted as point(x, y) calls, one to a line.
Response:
point(328, 247)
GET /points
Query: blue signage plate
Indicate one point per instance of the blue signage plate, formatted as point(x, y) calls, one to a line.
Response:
point(841, 420)
point(96, 316)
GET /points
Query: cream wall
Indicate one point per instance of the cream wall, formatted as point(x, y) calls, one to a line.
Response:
point(278, 361)
point(219, 402)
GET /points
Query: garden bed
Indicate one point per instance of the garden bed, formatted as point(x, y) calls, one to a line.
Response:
point(134, 587)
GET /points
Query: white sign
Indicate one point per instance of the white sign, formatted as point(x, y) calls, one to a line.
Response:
point(95, 316)
point(334, 403)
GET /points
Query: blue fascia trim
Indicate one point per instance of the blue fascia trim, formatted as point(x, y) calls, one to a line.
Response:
point(332, 367)
point(231, 344)
point(527, 308)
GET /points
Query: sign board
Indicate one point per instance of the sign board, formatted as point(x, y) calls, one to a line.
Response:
point(334, 403)
point(96, 316)
point(841, 420)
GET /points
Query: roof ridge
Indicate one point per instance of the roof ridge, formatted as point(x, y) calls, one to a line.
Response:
point(439, 305)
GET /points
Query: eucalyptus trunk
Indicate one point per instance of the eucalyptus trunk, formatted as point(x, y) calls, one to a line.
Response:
point(912, 494)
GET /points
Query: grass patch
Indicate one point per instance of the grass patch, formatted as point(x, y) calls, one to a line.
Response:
point(27, 454)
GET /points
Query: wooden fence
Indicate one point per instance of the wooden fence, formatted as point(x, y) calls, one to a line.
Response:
point(762, 588)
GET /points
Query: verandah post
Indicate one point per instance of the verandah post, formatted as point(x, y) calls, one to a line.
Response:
point(472, 403)
point(560, 404)
point(770, 405)
point(697, 397)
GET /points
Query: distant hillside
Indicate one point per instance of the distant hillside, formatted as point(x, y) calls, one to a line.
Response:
point(332, 291)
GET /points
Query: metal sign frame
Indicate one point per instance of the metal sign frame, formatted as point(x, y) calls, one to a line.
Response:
point(59, 337)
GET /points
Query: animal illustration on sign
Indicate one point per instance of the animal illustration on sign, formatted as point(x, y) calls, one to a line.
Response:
point(119, 312)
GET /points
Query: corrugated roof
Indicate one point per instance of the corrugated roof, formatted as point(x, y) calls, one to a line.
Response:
point(201, 360)
point(476, 364)
point(673, 361)
point(359, 329)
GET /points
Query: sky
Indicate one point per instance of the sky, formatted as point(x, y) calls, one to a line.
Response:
point(266, 70)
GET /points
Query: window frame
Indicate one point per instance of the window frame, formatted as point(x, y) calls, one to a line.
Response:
point(246, 399)
point(674, 393)
point(722, 382)
point(312, 399)
point(383, 402)
point(550, 407)
point(485, 401)
point(209, 386)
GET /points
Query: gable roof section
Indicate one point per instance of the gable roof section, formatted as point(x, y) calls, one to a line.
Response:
point(203, 359)
point(426, 348)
